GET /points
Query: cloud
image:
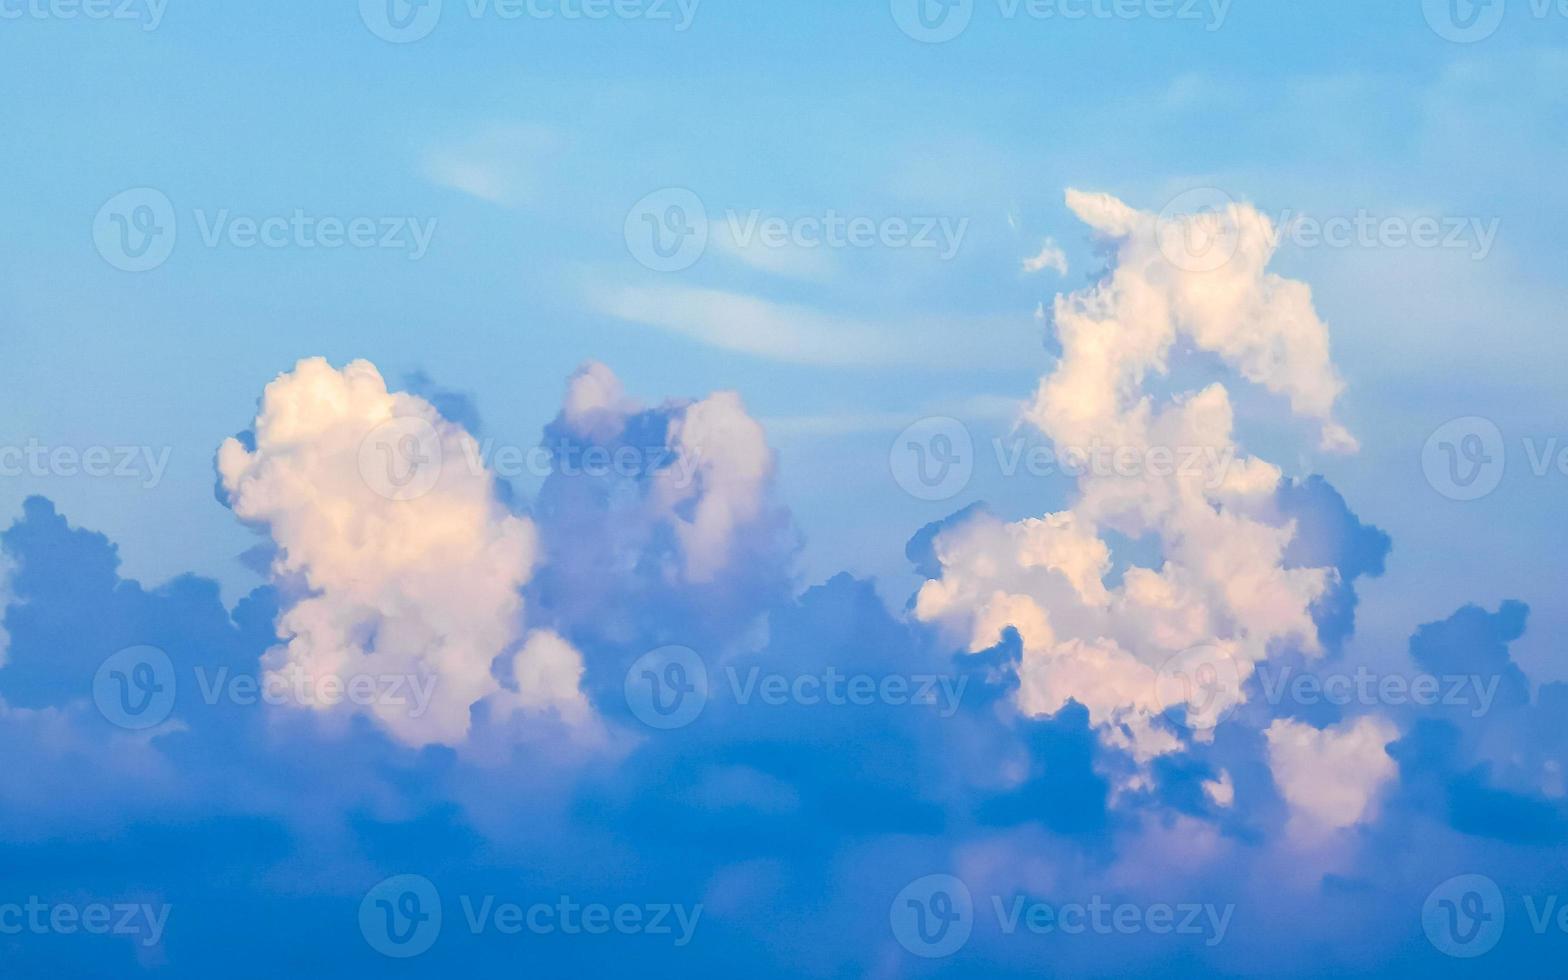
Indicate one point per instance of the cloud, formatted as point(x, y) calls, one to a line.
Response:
point(791, 261)
point(1331, 776)
point(500, 164)
point(655, 514)
point(1162, 289)
point(1050, 256)
point(389, 574)
point(1169, 471)
point(793, 333)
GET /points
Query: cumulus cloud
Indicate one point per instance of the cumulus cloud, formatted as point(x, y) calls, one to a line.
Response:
point(660, 522)
point(1164, 469)
point(1163, 290)
point(1331, 776)
point(399, 559)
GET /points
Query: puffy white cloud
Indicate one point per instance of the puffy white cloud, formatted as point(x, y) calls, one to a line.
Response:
point(726, 470)
point(1168, 470)
point(397, 559)
point(1330, 776)
point(1262, 324)
point(596, 405)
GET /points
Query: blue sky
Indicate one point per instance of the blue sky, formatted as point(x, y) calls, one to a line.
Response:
point(525, 148)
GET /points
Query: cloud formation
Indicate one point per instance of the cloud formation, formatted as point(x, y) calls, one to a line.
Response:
point(1224, 596)
point(396, 556)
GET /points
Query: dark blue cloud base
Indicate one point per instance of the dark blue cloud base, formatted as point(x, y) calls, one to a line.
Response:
point(793, 826)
